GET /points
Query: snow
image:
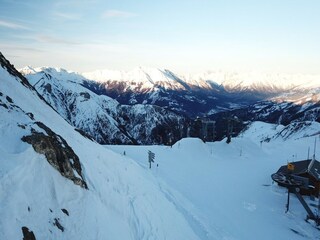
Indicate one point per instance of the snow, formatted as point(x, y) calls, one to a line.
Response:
point(123, 201)
point(197, 191)
point(144, 78)
point(149, 78)
point(228, 186)
point(58, 73)
point(259, 80)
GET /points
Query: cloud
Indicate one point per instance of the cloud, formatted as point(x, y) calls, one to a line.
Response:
point(54, 40)
point(12, 25)
point(118, 14)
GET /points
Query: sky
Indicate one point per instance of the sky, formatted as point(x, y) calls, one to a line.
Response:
point(185, 36)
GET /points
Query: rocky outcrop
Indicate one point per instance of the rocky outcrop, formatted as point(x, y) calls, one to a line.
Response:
point(27, 235)
point(57, 152)
point(4, 63)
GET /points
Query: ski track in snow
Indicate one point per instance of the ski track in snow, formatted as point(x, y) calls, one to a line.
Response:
point(253, 203)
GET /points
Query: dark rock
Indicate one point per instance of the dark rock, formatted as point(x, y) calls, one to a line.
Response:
point(28, 209)
point(9, 99)
point(22, 126)
point(11, 69)
point(57, 151)
point(30, 115)
point(65, 211)
point(48, 88)
point(27, 235)
point(58, 225)
point(3, 105)
point(85, 95)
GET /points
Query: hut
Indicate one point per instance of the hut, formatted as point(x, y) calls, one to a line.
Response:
point(309, 169)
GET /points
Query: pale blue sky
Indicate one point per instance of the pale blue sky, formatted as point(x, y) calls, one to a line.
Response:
point(182, 35)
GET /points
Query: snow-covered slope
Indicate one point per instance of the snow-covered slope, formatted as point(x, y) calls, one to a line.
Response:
point(197, 191)
point(230, 186)
point(100, 116)
point(123, 201)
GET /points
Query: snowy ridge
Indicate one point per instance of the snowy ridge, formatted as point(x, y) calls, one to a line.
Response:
point(236, 81)
point(233, 81)
point(192, 95)
point(77, 105)
point(145, 78)
point(58, 73)
point(100, 116)
point(124, 201)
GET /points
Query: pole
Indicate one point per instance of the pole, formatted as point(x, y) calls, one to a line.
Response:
point(318, 217)
point(314, 150)
point(288, 200)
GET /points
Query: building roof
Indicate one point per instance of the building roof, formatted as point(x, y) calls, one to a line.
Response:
point(311, 167)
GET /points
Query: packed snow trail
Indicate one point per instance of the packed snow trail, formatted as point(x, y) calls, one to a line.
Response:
point(229, 185)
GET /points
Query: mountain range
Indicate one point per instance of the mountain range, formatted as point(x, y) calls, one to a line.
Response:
point(149, 106)
point(57, 182)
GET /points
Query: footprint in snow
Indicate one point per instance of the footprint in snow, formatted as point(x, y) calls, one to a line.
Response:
point(249, 206)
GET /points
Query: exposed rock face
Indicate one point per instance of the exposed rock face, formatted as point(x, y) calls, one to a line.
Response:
point(58, 153)
point(151, 124)
point(27, 235)
point(10, 68)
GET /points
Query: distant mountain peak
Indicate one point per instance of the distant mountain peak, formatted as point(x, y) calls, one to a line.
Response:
point(145, 78)
point(56, 72)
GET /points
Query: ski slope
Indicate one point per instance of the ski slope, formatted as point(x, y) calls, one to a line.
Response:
point(228, 186)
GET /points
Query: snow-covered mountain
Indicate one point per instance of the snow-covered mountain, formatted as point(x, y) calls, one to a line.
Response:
point(57, 184)
point(100, 116)
point(164, 88)
point(260, 82)
point(201, 94)
point(40, 153)
point(216, 95)
point(142, 79)
point(284, 113)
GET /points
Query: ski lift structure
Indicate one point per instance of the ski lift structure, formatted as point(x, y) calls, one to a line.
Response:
point(301, 178)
